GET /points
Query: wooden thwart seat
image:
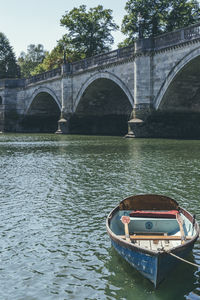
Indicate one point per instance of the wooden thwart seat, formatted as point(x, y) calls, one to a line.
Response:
point(155, 237)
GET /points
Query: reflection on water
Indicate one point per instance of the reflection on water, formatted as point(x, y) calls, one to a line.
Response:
point(55, 194)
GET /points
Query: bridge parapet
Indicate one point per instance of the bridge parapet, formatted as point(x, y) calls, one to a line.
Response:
point(177, 37)
point(12, 83)
point(169, 39)
point(101, 59)
point(160, 42)
point(44, 76)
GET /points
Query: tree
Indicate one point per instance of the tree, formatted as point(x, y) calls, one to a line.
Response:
point(8, 64)
point(88, 32)
point(153, 17)
point(30, 60)
point(182, 13)
point(51, 61)
point(55, 58)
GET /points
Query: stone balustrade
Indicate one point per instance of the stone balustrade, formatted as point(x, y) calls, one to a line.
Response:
point(142, 45)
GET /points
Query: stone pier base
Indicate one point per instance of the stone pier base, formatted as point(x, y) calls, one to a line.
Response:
point(63, 126)
point(178, 125)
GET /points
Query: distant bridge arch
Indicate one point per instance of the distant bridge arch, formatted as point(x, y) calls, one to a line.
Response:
point(103, 75)
point(103, 105)
point(43, 112)
point(41, 90)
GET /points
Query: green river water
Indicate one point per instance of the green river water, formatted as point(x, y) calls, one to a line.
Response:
point(56, 192)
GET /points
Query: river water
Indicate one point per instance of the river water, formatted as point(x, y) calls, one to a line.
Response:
point(56, 192)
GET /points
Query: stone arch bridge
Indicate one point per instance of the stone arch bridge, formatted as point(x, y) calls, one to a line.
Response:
point(149, 89)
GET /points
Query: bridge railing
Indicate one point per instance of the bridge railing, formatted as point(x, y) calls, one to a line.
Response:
point(101, 59)
point(192, 32)
point(12, 83)
point(149, 44)
point(177, 37)
point(43, 76)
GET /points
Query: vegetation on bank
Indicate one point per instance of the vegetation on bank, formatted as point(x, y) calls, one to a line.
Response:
point(89, 32)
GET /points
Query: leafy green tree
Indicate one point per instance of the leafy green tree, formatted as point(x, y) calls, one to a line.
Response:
point(182, 13)
point(145, 15)
point(88, 32)
point(30, 60)
point(55, 58)
point(51, 61)
point(153, 17)
point(8, 64)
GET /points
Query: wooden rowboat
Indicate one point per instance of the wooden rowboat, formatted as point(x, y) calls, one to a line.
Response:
point(151, 232)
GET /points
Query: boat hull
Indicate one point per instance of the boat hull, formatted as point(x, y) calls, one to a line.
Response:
point(143, 262)
point(154, 267)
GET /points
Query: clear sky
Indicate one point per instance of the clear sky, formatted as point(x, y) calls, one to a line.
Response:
point(26, 22)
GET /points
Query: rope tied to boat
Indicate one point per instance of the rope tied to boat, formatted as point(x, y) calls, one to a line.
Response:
point(184, 260)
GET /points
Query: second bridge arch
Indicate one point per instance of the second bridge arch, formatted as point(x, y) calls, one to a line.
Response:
point(103, 108)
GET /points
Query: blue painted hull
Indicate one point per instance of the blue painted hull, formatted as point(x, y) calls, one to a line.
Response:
point(144, 263)
point(153, 267)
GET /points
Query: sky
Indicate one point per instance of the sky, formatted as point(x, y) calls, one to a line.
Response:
point(26, 22)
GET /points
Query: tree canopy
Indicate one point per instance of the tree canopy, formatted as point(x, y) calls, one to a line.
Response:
point(8, 64)
point(30, 60)
point(88, 32)
point(51, 61)
point(182, 13)
point(55, 58)
point(153, 17)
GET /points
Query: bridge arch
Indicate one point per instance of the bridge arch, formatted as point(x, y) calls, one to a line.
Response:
point(103, 106)
point(43, 111)
point(105, 75)
point(173, 75)
point(1, 100)
point(43, 90)
point(177, 106)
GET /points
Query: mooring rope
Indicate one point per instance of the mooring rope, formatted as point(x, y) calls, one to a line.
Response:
point(186, 261)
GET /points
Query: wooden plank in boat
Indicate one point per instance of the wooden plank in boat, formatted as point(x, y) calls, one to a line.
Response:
point(154, 237)
point(148, 233)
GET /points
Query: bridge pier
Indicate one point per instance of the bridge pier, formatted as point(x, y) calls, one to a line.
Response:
point(137, 124)
point(142, 89)
point(63, 125)
point(62, 122)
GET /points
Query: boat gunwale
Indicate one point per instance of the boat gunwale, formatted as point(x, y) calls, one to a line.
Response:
point(136, 248)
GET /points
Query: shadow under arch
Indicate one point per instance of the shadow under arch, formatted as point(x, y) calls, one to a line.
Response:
point(177, 105)
point(182, 66)
point(105, 75)
point(43, 112)
point(1, 100)
point(102, 106)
